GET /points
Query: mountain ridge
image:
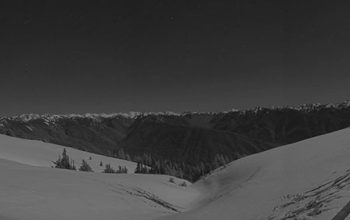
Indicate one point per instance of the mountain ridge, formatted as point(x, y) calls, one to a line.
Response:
point(187, 145)
point(134, 114)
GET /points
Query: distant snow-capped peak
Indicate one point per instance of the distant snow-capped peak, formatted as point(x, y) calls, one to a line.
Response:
point(95, 116)
point(51, 118)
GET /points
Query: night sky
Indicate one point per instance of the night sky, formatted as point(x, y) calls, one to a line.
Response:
point(171, 55)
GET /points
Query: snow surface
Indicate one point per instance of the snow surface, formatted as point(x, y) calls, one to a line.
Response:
point(31, 190)
point(306, 180)
point(35, 193)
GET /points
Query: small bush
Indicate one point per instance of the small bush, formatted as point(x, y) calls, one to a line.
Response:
point(171, 180)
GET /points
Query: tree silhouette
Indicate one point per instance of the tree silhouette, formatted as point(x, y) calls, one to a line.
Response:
point(64, 162)
point(85, 167)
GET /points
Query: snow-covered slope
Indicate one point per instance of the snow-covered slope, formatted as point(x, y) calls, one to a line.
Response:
point(36, 193)
point(31, 190)
point(305, 180)
point(38, 153)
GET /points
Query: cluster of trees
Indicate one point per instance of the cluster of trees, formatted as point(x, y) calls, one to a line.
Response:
point(64, 162)
point(141, 168)
point(109, 169)
point(148, 164)
point(122, 169)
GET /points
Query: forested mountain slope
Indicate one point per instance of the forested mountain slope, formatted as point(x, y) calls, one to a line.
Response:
point(187, 145)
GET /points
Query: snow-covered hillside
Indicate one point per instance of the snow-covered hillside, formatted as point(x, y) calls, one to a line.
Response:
point(31, 190)
point(38, 153)
point(305, 180)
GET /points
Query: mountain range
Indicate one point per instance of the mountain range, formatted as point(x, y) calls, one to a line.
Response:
point(189, 144)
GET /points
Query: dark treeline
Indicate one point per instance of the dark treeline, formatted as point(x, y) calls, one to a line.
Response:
point(147, 164)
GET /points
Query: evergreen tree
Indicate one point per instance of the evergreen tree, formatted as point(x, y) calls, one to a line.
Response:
point(64, 162)
point(138, 168)
point(85, 167)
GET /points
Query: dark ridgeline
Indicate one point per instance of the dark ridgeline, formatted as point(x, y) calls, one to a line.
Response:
point(187, 145)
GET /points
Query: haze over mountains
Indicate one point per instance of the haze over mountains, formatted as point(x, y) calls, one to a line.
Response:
point(187, 145)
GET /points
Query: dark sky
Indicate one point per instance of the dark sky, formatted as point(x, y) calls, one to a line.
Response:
point(167, 55)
